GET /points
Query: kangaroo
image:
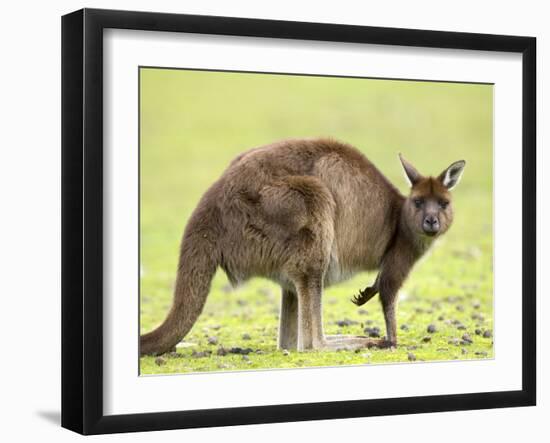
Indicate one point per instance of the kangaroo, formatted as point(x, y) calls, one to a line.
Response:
point(306, 213)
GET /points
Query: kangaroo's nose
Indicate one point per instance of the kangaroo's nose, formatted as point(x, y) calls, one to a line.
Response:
point(431, 225)
point(431, 220)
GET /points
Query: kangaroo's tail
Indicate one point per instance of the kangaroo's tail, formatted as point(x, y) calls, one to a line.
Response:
point(199, 258)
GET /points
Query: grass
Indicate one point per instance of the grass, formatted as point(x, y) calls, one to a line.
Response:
point(193, 124)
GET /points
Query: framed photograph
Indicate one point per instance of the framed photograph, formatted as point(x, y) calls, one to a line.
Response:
point(269, 221)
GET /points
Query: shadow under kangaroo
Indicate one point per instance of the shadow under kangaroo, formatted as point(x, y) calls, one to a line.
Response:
point(306, 214)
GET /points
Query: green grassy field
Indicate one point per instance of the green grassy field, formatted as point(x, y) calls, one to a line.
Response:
point(194, 123)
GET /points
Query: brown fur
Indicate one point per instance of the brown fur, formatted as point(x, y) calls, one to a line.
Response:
point(306, 214)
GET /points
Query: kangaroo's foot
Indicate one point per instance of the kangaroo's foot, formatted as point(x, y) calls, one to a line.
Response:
point(333, 342)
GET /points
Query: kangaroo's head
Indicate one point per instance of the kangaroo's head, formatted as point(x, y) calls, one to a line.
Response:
point(428, 209)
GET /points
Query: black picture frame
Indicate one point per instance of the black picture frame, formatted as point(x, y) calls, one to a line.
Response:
point(82, 220)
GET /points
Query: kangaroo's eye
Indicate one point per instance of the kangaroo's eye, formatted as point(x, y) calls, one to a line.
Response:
point(443, 204)
point(418, 202)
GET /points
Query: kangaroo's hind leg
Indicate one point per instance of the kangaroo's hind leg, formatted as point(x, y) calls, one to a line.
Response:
point(288, 323)
point(310, 318)
point(310, 321)
point(304, 207)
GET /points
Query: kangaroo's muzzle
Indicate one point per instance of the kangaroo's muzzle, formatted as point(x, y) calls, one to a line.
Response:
point(430, 225)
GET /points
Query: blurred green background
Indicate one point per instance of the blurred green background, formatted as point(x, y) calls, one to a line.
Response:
point(193, 123)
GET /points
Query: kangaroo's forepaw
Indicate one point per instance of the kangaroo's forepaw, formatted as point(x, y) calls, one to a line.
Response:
point(364, 296)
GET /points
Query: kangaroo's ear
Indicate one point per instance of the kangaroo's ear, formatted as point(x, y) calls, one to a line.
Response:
point(451, 176)
point(412, 175)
